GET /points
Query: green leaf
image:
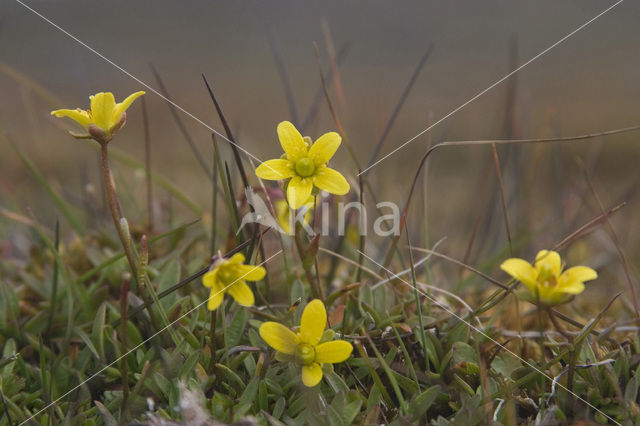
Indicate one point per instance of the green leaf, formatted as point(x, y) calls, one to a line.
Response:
point(336, 382)
point(97, 331)
point(263, 397)
point(631, 391)
point(163, 384)
point(9, 351)
point(250, 392)
point(459, 333)
point(374, 398)
point(87, 341)
point(188, 368)
point(169, 275)
point(465, 358)
point(422, 402)
point(278, 408)
point(107, 417)
point(234, 332)
point(10, 308)
point(297, 291)
point(334, 417)
point(351, 410)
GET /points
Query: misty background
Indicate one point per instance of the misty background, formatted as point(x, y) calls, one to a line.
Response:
point(589, 83)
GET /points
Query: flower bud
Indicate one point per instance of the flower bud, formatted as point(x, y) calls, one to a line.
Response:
point(124, 225)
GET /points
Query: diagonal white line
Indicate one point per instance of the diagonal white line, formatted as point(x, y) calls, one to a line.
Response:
point(450, 312)
point(492, 86)
point(146, 85)
point(406, 271)
point(142, 343)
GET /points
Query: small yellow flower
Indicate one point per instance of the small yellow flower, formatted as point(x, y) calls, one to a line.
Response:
point(285, 214)
point(230, 276)
point(305, 165)
point(105, 116)
point(545, 280)
point(304, 346)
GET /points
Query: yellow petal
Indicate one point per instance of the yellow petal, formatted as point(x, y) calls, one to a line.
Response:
point(102, 106)
point(291, 141)
point(298, 191)
point(331, 181)
point(124, 105)
point(215, 298)
point(578, 273)
point(242, 293)
point(313, 321)
point(250, 272)
point(547, 295)
point(324, 148)
point(275, 170)
point(210, 278)
point(80, 116)
point(571, 287)
point(311, 374)
point(279, 337)
point(551, 260)
point(284, 216)
point(521, 270)
point(236, 259)
point(332, 352)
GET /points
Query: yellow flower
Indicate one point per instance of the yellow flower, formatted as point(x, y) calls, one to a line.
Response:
point(286, 215)
point(105, 116)
point(304, 346)
point(304, 165)
point(230, 275)
point(545, 280)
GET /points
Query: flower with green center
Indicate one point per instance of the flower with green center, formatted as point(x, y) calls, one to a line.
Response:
point(545, 279)
point(305, 346)
point(103, 119)
point(305, 165)
point(230, 276)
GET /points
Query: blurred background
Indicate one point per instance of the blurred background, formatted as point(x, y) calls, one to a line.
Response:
point(253, 53)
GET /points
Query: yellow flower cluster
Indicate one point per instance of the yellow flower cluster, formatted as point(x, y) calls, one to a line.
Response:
point(305, 347)
point(303, 167)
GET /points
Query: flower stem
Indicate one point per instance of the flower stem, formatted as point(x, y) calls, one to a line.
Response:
point(573, 354)
point(123, 232)
point(116, 211)
point(212, 339)
point(307, 259)
point(143, 281)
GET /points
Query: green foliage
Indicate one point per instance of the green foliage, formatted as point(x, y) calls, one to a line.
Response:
point(78, 349)
point(385, 381)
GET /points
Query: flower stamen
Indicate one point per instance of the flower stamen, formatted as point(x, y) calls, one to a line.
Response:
point(306, 353)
